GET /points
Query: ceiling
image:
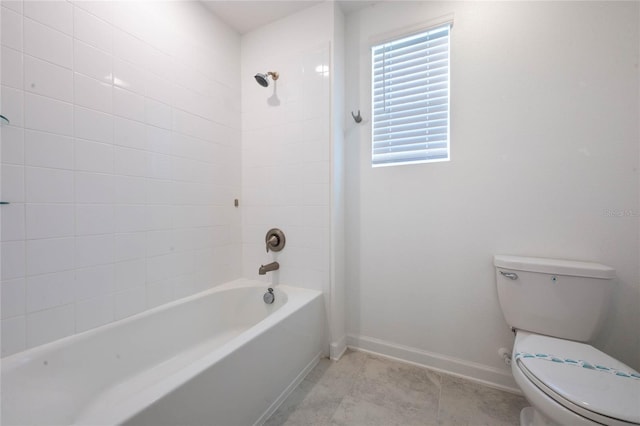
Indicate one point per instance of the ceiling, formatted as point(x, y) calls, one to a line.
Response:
point(247, 15)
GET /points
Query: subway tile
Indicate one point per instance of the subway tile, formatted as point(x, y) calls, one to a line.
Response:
point(128, 76)
point(49, 185)
point(99, 8)
point(11, 33)
point(130, 133)
point(130, 274)
point(94, 188)
point(94, 312)
point(130, 302)
point(95, 219)
point(158, 62)
point(130, 162)
point(158, 140)
point(49, 255)
point(47, 44)
point(130, 218)
point(160, 268)
point(92, 93)
point(93, 62)
point(94, 250)
point(48, 115)
point(49, 325)
point(158, 88)
point(55, 14)
point(158, 166)
point(192, 125)
point(128, 47)
point(12, 295)
point(160, 191)
point(50, 290)
point(157, 114)
point(159, 217)
point(130, 189)
point(159, 242)
point(48, 150)
point(46, 79)
point(92, 30)
point(12, 67)
point(49, 220)
point(15, 5)
point(12, 103)
point(159, 292)
point(13, 222)
point(128, 104)
point(12, 183)
point(130, 246)
point(94, 281)
point(12, 144)
point(94, 156)
point(14, 335)
point(93, 125)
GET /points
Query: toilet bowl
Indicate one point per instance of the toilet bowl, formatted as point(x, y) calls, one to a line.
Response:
point(571, 383)
point(554, 307)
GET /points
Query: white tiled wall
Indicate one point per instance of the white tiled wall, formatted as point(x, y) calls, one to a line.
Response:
point(286, 148)
point(121, 162)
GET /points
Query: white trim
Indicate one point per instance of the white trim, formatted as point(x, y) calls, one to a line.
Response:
point(413, 29)
point(285, 394)
point(468, 370)
point(337, 349)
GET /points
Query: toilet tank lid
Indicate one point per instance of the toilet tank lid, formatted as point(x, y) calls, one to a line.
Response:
point(554, 266)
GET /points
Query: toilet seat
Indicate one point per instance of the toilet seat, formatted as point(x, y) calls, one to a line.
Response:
point(599, 388)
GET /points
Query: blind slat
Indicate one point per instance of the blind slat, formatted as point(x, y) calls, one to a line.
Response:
point(399, 128)
point(383, 112)
point(410, 99)
point(435, 52)
point(410, 140)
point(413, 115)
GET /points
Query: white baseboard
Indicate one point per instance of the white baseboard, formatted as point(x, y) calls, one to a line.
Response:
point(337, 349)
point(472, 371)
point(285, 394)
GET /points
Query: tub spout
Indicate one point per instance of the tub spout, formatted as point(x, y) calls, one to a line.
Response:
point(273, 266)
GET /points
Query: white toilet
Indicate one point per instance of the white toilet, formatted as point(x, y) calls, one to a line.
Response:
point(553, 305)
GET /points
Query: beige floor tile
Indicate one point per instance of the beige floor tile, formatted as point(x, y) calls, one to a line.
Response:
point(365, 390)
point(309, 405)
point(411, 389)
point(467, 403)
point(340, 375)
point(354, 412)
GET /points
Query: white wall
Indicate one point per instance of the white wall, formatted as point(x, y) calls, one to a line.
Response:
point(121, 163)
point(544, 140)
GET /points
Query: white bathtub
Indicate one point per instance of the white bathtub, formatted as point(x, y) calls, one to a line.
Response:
point(221, 357)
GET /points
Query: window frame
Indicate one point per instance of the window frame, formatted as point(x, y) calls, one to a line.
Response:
point(407, 33)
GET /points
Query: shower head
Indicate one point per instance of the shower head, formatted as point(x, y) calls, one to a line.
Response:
point(263, 79)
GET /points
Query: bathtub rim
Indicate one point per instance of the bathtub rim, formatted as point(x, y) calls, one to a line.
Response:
point(297, 298)
point(237, 283)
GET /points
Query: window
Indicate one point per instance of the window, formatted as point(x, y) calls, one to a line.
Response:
point(411, 99)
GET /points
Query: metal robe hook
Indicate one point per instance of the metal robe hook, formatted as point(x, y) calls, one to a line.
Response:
point(357, 118)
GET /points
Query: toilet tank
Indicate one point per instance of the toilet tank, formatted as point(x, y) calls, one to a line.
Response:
point(560, 298)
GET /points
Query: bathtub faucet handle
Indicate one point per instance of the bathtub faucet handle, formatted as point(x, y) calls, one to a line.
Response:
point(274, 240)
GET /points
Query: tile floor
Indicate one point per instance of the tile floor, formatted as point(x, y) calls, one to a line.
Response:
point(362, 390)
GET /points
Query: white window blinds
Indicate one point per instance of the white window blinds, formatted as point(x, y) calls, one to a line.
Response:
point(411, 99)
